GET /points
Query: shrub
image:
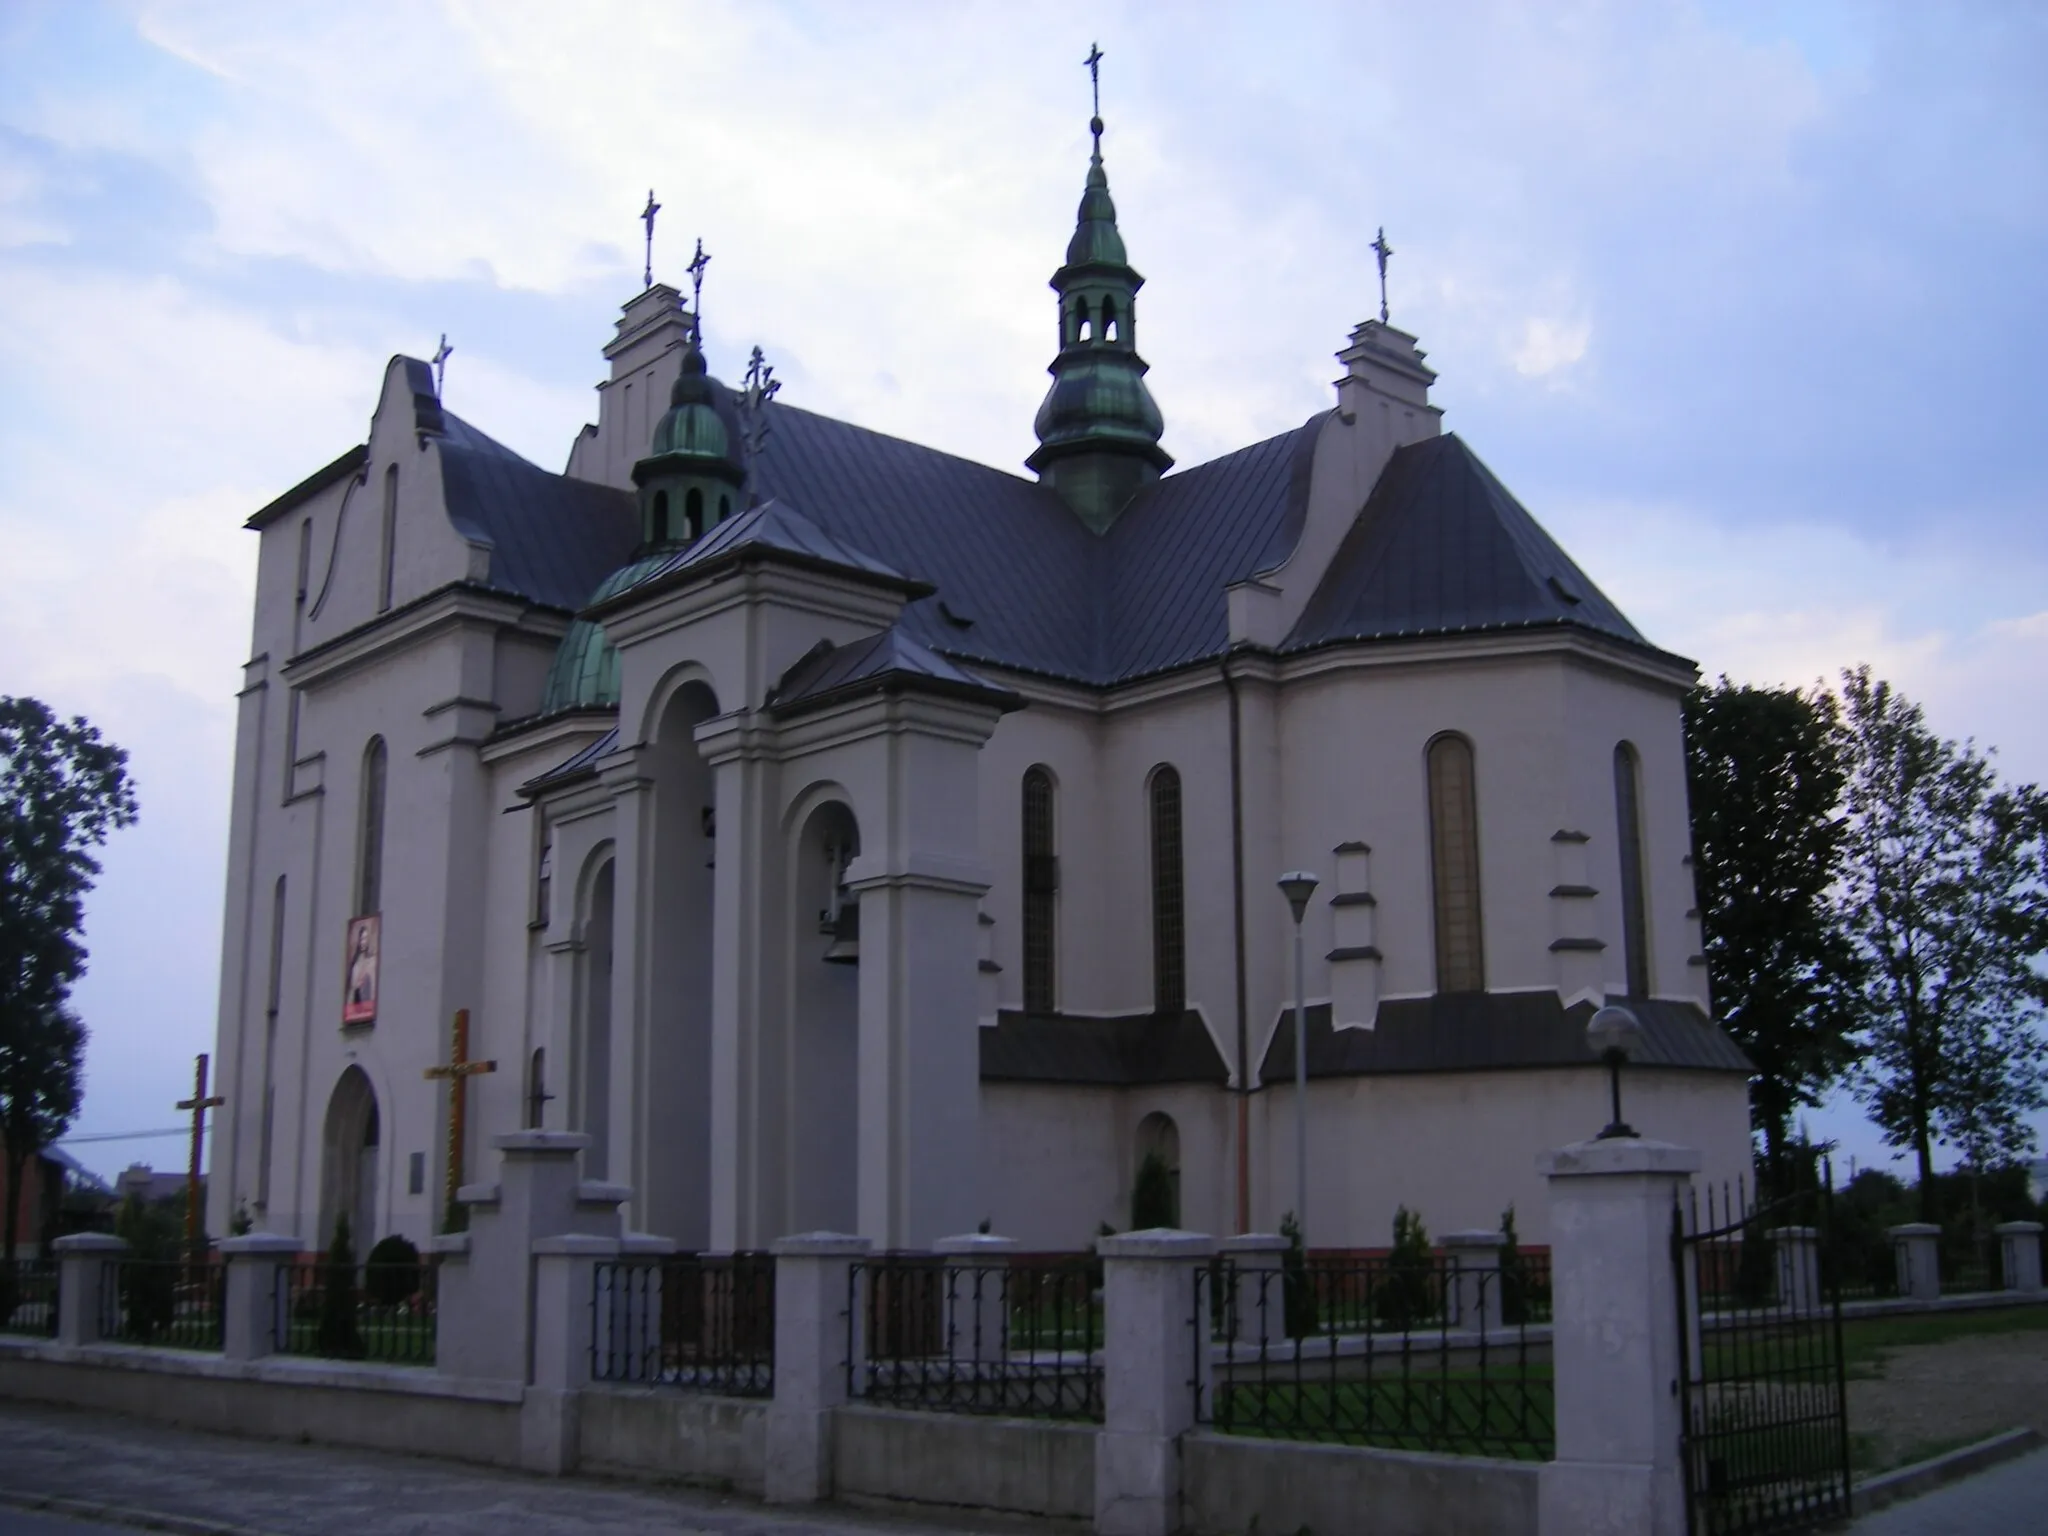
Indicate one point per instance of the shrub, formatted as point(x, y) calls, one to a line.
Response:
point(1298, 1293)
point(1152, 1197)
point(1523, 1291)
point(1408, 1288)
point(392, 1273)
point(335, 1335)
point(149, 1287)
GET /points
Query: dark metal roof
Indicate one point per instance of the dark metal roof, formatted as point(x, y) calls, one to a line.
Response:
point(777, 529)
point(884, 661)
point(349, 463)
point(1491, 1031)
point(582, 761)
point(1442, 548)
point(553, 539)
point(1112, 1053)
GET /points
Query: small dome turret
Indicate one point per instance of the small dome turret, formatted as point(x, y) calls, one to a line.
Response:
point(691, 479)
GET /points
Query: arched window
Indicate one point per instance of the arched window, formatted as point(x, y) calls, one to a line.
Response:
point(1169, 897)
point(370, 836)
point(693, 513)
point(1454, 865)
point(724, 508)
point(657, 532)
point(387, 557)
point(1041, 887)
point(1628, 816)
point(1158, 1140)
point(1080, 319)
point(1109, 319)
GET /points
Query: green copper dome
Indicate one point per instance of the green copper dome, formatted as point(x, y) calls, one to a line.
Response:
point(701, 422)
point(585, 673)
point(1098, 428)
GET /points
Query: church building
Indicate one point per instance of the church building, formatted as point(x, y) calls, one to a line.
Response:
point(846, 835)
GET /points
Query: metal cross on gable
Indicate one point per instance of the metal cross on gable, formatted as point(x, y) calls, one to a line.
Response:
point(1383, 250)
point(441, 356)
point(457, 1073)
point(198, 1104)
point(647, 217)
point(696, 268)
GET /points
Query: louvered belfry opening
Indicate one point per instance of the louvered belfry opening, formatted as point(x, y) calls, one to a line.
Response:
point(1454, 865)
point(1635, 927)
point(370, 835)
point(1041, 890)
point(1169, 897)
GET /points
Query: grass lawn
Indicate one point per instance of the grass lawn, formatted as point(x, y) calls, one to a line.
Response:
point(392, 1338)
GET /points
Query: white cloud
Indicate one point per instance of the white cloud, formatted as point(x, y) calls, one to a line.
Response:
point(1549, 345)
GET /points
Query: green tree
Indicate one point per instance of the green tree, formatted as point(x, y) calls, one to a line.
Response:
point(1946, 895)
point(1153, 1201)
point(1766, 770)
point(336, 1334)
point(42, 1078)
point(62, 790)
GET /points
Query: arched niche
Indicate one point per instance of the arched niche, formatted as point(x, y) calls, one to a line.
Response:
point(822, 1067)
point(348, 1160)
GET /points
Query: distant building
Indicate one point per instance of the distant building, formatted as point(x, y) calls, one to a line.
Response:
point(846, 835)
point(151, 1187)
point(47, 1179)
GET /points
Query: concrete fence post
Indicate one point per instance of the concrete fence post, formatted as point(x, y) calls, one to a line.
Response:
point(83, 1260)
point(1258, 1301)
point(255, 1315)
point(817, 1345)
point(1474, 1264)
point(2020, 1249)
point(1152, 1345)
point(1798, 1264)
point(1915, 1252)
point(1615, 1356)
point(977, 1295)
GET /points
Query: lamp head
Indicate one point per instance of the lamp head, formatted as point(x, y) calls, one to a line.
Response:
point(1614, 1029)
point(1297, 886)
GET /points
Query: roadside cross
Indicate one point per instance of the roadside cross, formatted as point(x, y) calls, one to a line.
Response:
point(198, 1104)
point(459, 1070)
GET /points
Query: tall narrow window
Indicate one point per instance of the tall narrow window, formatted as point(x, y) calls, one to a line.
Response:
point(1454, 865)
point(387, 556)
point(1109, 319)
point(370, 855)
point(537, 1094)
point(693, 513)
point(658, 533)
point(1635, 927)
point(273, 994)
point(1041, 887)
point(1169, 897)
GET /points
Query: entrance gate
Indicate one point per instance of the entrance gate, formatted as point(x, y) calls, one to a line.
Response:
point(1765, 1438)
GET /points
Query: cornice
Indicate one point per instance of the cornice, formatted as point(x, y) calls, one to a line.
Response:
point(456, 606)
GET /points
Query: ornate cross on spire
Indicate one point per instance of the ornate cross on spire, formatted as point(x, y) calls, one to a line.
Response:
point(199, 1104)
point(441, 356)
point(647, 217)
point(1384, 250)
point(1094, 63)
point(696, 268)
point(457, 1073)
point(759, 388)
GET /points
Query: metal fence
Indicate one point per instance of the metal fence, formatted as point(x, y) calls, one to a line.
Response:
point(700, 1322)
point(1419, 1352)
point(28, 1297)
point(1021, 1338)
point(381, 1312)
point(168, 1302)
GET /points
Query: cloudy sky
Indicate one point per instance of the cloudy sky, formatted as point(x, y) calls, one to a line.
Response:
point(1746, 302)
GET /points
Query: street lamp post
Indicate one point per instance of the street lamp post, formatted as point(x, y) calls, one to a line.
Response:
point(1614, 1034)
point(1297, 886)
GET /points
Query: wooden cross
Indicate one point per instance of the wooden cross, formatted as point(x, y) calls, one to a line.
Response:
point(199, 1104)
point(458, 1072)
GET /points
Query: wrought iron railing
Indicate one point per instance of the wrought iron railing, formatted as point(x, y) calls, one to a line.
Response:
point(380, 1312)
point(700, 1322)
point(174, 1303)
point(1020, 1337)
point(28, 1297)
point(1418, 1352)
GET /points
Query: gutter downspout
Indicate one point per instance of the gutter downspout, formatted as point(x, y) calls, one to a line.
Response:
point(1244, 1082)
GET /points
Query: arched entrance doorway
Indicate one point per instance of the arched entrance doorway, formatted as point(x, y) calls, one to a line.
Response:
point(348, 1163)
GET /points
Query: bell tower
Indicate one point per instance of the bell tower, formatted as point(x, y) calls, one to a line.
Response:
point(1099, 428)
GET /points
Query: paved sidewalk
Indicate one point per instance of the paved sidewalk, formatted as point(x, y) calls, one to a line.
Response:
point(131, 1470)
point(2009, 1500)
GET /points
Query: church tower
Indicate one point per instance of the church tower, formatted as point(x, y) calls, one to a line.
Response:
point(691, 479)
point(1098, 430)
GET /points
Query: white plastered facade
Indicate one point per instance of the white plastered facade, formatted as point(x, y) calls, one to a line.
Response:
point(672, 978)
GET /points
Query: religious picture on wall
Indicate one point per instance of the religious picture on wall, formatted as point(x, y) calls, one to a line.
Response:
point(359, 993)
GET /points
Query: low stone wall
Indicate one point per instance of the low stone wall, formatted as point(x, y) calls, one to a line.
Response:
point(1018, 1466)
point(1234, 1483)
point(686, 1436)
point(389, 1408)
